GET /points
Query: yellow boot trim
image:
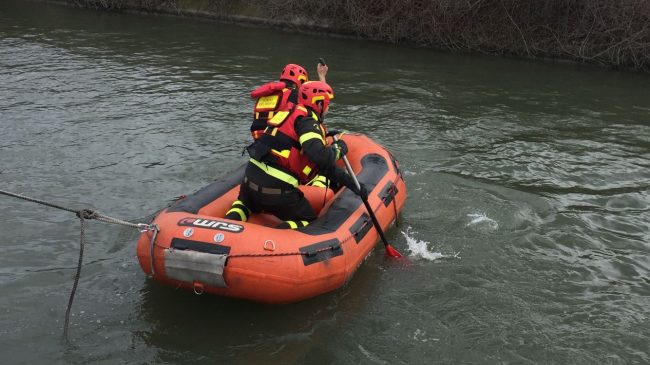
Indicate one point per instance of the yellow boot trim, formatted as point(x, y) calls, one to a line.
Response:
point(240, 204)
point(319, 181)
point(292, 224)
point(241, 213)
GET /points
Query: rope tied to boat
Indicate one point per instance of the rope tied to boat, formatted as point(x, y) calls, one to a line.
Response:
point(86, 214)
point(83, 215)
point(292, 253)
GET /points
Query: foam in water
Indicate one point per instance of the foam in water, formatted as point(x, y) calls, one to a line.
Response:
point(481, 219)
point(419, 248)
point(421, 335)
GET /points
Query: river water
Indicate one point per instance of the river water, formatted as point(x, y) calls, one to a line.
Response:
point(526, 227)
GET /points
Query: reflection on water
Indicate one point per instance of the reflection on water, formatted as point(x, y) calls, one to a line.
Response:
point(234, 330)
point(527, 218)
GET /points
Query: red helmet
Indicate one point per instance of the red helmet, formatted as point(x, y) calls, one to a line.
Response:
point(294, 73)
point(316, 95)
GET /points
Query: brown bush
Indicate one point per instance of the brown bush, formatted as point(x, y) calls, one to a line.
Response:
point(607, 32)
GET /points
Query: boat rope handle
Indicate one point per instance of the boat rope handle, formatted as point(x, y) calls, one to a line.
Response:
point(84, 214)
point(294, 253)
point(269, 245)
point(298, 253)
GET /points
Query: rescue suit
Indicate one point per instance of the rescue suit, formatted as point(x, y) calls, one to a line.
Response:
point(271, 97)
point(291, 151)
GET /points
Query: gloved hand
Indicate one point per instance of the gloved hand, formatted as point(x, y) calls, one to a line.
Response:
point(341, 177)
point(333, 132)
point(340, 148)
point(362, 192)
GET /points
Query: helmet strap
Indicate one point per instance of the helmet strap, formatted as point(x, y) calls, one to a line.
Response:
point(320, 113)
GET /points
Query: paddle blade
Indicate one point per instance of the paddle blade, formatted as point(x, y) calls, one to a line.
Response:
point(391, 252)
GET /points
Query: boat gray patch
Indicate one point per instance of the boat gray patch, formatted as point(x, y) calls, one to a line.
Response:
point(193, 266)
point(313, 254)
point(388, 193)
point(361, 227)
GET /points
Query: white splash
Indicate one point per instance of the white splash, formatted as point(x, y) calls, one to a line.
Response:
point(420, 248)
point(483, 220)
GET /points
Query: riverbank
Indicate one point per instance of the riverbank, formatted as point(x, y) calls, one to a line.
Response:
point(600, 32)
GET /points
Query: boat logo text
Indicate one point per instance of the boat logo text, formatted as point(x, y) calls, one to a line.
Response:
point(211, 224)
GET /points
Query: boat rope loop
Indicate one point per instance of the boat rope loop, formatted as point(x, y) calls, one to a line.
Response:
point(299, 253)
point(82, 214)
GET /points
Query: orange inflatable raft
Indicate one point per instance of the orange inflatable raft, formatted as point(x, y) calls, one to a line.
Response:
point(196, 249)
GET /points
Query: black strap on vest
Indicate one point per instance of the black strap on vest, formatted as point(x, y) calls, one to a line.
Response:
point(279, 142)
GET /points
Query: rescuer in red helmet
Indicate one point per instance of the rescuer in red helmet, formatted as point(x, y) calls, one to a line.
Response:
point(292, 151)
point(280, 95)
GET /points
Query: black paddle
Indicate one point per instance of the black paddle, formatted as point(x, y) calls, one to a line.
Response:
point(390, 251)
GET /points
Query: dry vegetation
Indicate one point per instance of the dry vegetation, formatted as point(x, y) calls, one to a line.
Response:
point(614, 33)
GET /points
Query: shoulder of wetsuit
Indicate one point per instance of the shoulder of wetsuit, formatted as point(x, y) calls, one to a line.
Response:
point(304, 118)
point(267, 89)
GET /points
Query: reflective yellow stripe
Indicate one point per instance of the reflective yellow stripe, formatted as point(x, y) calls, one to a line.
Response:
point(306, 170)
point(274, 131)
point(310, 135)
point(319, 181)
point(283, 153)
point(278, 118)
point(280, 175)
point(304, 223)
point(241, 213)
point(292, 224)
point(240, 203)
point(257, 115)
point(313, 115)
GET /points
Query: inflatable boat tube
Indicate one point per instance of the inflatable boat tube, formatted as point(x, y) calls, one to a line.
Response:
point(196, 249)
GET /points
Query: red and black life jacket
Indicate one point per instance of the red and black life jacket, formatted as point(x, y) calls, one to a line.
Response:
point(284, 143)
point(271, 98)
